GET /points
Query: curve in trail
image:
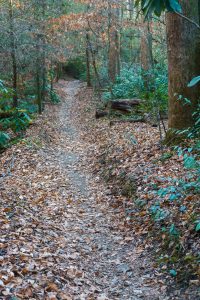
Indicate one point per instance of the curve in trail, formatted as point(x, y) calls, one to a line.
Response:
point(63, 239)
point(101, 262)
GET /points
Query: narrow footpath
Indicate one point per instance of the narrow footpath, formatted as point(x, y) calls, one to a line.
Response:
point(65, 241)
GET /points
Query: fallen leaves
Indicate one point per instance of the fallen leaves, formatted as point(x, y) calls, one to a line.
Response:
point(63, 234)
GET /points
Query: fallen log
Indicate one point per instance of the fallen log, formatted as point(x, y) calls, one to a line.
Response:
point(124, 104)
point(100, 114)
point(127, 121)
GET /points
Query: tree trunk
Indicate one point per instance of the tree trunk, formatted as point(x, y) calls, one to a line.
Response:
point(38, 78)
point(183, 40)
point(114, 44)
point(94, 61)
point(87, 52)
point(43, 58)
point(146, 54)
point(112, 62)
point(130, 8)
point(13, 55)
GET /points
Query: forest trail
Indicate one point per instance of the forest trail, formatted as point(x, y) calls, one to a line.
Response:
point(71, 243)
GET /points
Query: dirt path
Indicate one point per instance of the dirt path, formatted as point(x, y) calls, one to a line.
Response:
point(71, 243)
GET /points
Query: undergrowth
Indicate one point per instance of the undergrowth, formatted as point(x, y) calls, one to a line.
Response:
point(166, 208)
point(130, 84)
point(15, 121)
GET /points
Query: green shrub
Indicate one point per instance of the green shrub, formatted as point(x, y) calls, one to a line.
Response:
point(4, 139)
point(130, 84)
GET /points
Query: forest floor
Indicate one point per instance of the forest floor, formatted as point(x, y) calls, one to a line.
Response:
point(62, 234)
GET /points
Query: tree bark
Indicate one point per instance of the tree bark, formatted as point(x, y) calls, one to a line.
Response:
point(13, 54)
point(183, 40)
point(146, 54)
point(87, 52)
point(43, 44)
point(114, 43)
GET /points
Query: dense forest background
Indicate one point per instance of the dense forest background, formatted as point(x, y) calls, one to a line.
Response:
point(141, 61)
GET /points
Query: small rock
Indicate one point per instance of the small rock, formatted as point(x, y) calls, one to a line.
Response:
point(124, 268)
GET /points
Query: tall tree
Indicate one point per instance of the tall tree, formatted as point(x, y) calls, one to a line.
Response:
point(13, 53)
point(114, 42)
point(146, 53)
point(183, 41)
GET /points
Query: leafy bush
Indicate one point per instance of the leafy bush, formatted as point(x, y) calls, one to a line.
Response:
point(130, 84)
point(177, 208)
point(4, 139)
point(55, 99)
point(157, 96)
point(5, 97)
point(16, 119)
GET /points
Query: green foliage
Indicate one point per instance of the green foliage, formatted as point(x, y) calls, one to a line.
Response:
point(20, 121)
point(4, 139)
point(157, 94)
point(158, 214)
point(197, 228)
point(5, 97)
point(173, 272)
point(28, 106)
point(158, 6)
point(17, 120)
point(194, 81)
point(130, 84)
point(173, 210)
point(55, 99)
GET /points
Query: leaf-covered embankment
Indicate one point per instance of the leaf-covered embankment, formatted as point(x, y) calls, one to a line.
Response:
point(157, 194)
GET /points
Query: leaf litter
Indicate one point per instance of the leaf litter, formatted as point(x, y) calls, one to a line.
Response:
point(65, 233)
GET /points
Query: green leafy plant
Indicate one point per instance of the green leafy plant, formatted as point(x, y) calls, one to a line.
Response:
point(55, 99)
point(194, 81)
point(20, 121)
point(158, 6)
point(4, 139)
point(130, 84)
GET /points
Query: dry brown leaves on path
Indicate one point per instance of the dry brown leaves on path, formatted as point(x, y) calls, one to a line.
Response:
point(59, 236)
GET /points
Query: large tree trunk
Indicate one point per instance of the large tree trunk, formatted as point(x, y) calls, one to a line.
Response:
point(183, 40)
